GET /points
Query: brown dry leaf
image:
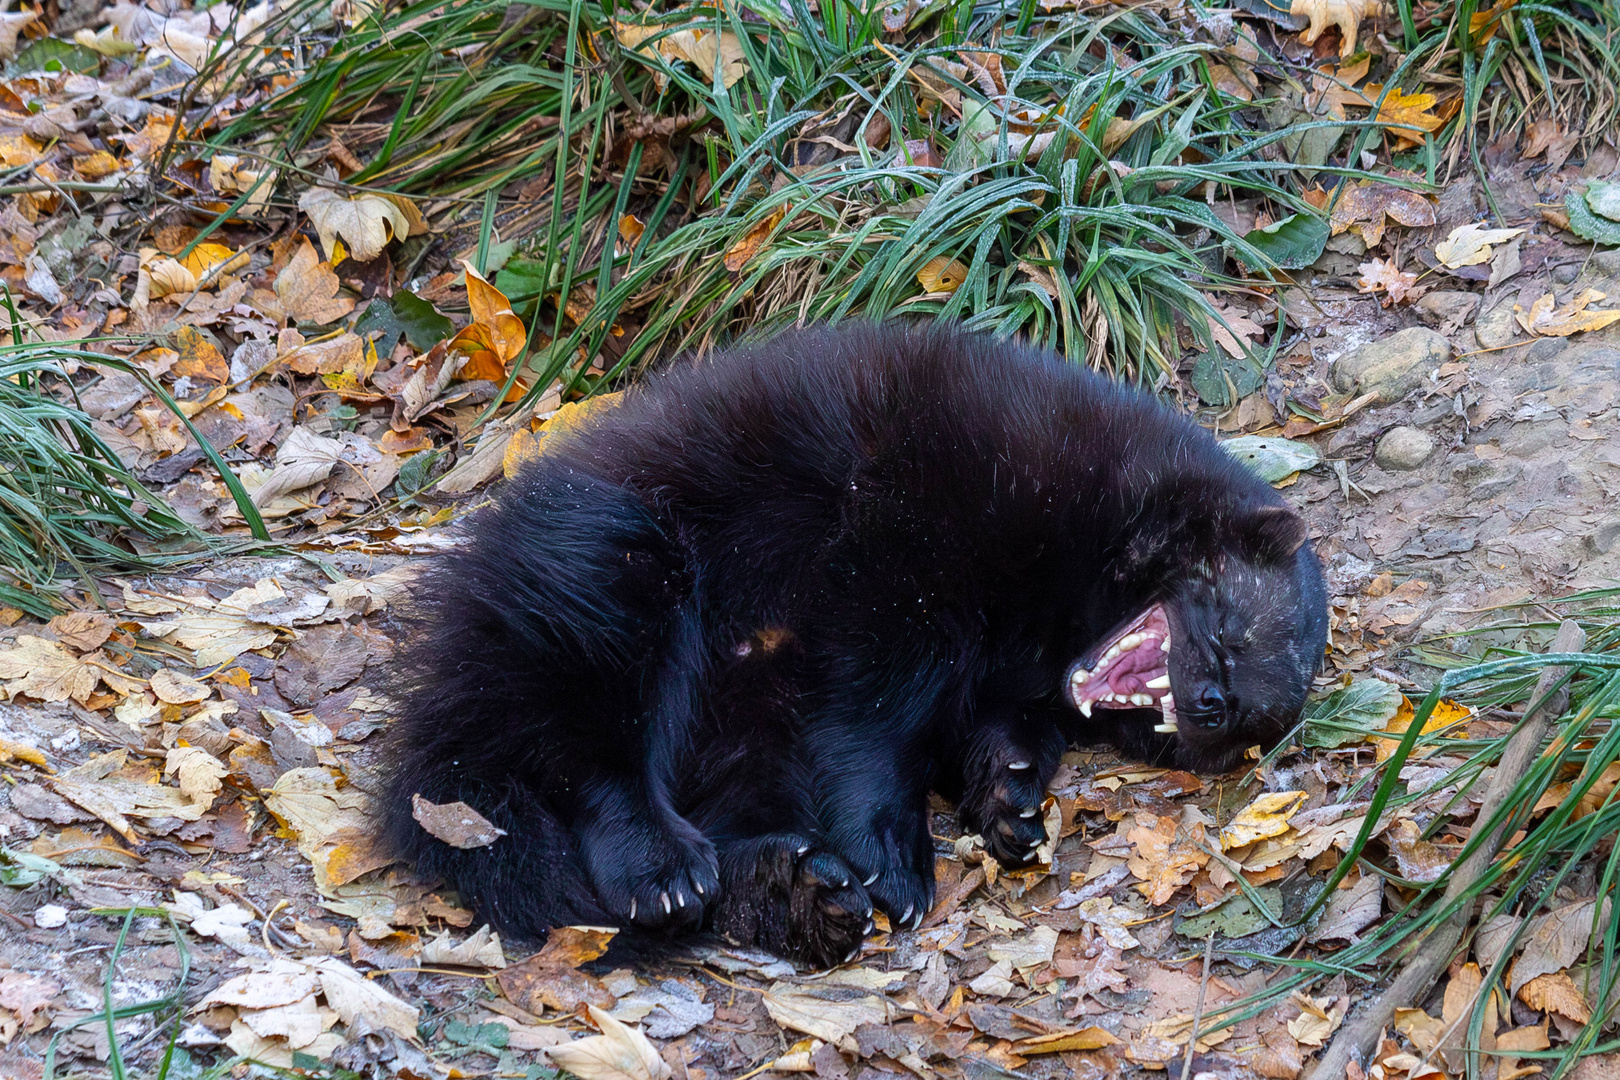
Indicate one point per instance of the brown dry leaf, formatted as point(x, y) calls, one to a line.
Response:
point(739, 253)
point(308, 288)
point(322, 815)
point(630, 230)
point(1425, 1031)
point(45, 671)
point(103, 786)
point(1091, 1038)
point(1316, 1020)
point(1167, 854)
point(1556, 993)
point(365, 223)
point(233, 175)
point(1556, 939)
point(1548, 136)
point(1573, 318)
point(1416, 858)
point(173, 688)
point(1470, 245)
point(96, 165)
point(1266, 816)
point(1383, 276)
point(942, 275)
point(1239, 330)
point(199, 773)
point(700, 48)
point(494, 338)
point(1351, 910)
point(482, 949)
point(303, 458)
point(832, 1019)
point(1345, 14)
point(619, 1053)
point(456, 823)
point(200, 359)
point(1594, 798)
point(82, 630)
point(1362, 207)
point(26, 994)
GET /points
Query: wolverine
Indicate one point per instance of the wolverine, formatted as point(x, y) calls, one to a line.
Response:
point(704, 659)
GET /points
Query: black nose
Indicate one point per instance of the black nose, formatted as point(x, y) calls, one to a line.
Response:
point(1211, 706)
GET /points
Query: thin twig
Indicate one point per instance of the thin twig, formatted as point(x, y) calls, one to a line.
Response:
point(1198, 1013)
point(1359, 1036)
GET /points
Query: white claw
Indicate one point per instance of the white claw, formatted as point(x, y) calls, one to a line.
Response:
point(869, 880)
point(844, 884)
point(1168, 728)
point(680, 898)
point(853, 953)
point(1028, 855)
point(632, 910)
point(907, 915)
point(1085, 709)
point(802, 849)
point(1161, 683)
point(917, 922)
point(1141, 699)
point(1018, 766)
point(1031, 812)
point(698, 885)
point(663, 898)
point(870, 926)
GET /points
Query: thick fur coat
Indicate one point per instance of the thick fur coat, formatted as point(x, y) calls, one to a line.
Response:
point(705, 658)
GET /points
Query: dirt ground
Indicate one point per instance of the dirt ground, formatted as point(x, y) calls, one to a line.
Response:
point(1485, 473)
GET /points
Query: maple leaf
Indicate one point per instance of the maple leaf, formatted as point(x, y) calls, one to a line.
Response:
point(1544, 320)
point(1383, 276)
point(1406, 116)
point(1168, 854)
point(1345, 14)
point(307, 288)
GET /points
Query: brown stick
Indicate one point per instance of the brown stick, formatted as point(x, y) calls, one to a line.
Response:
point(1360, 1035)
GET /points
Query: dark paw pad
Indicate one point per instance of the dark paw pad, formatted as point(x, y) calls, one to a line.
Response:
point(829, 913)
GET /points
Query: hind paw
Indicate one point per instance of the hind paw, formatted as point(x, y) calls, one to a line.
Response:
point(785, 895)
point(1003, 804)
point(658, 882)
point(830, 913)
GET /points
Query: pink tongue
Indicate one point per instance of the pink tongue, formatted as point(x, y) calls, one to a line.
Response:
point(1129, 674)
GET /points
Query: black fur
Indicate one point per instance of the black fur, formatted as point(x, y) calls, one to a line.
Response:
point(704, 660)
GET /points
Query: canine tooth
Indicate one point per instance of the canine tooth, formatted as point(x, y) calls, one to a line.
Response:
point(1164, 646)
point(869, 880)
point(1031, 812)
point(1018, 766)
point(663, 898)
point(1085, 709)
point(1161, 683)
point(1131, 641)
point(1141, 699)
point(1168, 727)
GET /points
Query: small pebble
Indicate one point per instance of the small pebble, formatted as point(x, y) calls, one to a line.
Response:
point(50, 916)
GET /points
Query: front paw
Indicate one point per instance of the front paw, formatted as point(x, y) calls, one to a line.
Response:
point(656, 880)
point(903, 894)
point(1003, 804)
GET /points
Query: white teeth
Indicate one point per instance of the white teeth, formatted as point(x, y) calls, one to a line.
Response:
point(1131, 641)
point(1085, 709)
point(1018, 766)
point(632, 910)
point(663, 898)
point(1081, 676)
point(1113, 651)
point(1168, 727)
point(1031, 812)
point(869, 880)
point(1141, 699)
point(1161, 683)
point(1164, 646)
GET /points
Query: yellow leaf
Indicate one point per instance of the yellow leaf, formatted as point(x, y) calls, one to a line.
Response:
point(942, 275)
point(96, 165)
point(108, 41)
point(159, 276)
point(207, 262)
point(365, 222)
point(630, 230)
point(1405, 116)
point(1545, 321)
point(1446, 714)
point(16, 150)
point(619, 1053)
point(738, 254)
point(20, 752)
point(1470, 245)
point(700, 48)
point(1091, 1038)
point(1266, 816)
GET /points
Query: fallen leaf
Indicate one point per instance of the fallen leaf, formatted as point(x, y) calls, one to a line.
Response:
point(173, 688)
point(308, 287)
point(738, 255)
point(45, 671)
point(1573, 318)
point(1091, 1038)
point(354, 997)
point(456, 823)
point(1405, 116)
point(494, 338)
point(1351, 910)
point(1167, 855)
point(619, 1053)
point(1447, 716)
point(1416, 858)
point(1382, 276)
point(366, 223)
point(1470, 245)
point(833, 1020)
point(117, 798)
point(12, 24)
point(303, 458)
point(82, 630)
point(1316, 1021)
point(482, 949)
point(1266, 816)
point(1556, 992)
point(1345, 14)
point(1362, 208)
point(1556, 939)
point(200, 774)
point(942, 275)
point(1547, 136)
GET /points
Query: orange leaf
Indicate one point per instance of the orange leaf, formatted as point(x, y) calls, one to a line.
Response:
point(753, 240)
point(493, 339)
point(1446, 714)
point(1557, 993)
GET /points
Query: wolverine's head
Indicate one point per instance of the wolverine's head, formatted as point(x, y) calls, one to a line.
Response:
point(1225, 654)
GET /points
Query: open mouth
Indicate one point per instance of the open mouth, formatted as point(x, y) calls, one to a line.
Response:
point(1128, 669)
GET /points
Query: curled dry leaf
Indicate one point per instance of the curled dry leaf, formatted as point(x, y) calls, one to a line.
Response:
point(456, 823)
point(494, 338)
point(482, 949)
point(1557, 993)
point(173, 688)
point(1362, 208)
point(234, 176)
point(619, 1053)
point(1382, 276)
point(304, 458)
point(365, 223)
point(1266, 816)
point(738, 255)
point(200, 774)
point(1544, 320)
point(942, 275)
point(703, 49)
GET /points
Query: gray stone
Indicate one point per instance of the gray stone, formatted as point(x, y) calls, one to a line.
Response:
point(1545, 349)
point(1403, 449)
point(1447, 308)
point(1603, 539)
point(1607, 262)
point(1496, 328)
point(1564, 273)
point(1393, 366)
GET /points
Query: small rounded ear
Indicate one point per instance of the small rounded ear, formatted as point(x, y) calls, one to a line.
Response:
point(1272, 534)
